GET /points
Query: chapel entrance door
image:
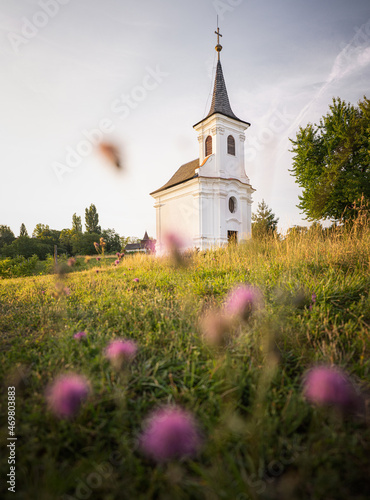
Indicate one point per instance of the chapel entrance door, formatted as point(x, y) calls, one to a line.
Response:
point(232, 236)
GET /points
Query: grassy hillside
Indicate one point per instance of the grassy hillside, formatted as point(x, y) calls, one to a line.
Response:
point(261, 439)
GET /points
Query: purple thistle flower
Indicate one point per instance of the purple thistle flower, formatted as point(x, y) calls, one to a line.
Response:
point(313, 297)
point(242, 301)
point(136, 280)
point(170, 433)
point(79, 335)
point(116, 262)
point(66, 394)
point(98, 258)
point(329, 386)
point(120, 352)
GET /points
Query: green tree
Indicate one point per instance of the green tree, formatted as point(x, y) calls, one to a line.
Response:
point(92, 220)
point(331, 161)
point(83, 244)
point(264, 221)
point(65, 240)
point(77, 224)
point(6, 235)
point(40, 230)
point(295, 231)
point(27, 247)
point(23, 231)
point(112, 240)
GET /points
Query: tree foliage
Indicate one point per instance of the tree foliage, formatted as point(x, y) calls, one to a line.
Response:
point(23, 230)
point(76, 223)
point(264, 221)
point(40, 229)
point(27, 247)
point(112, 240)
point(92, 220)
point(69, 241)
point(6, 235)
point(83, 244)
point(331, 161)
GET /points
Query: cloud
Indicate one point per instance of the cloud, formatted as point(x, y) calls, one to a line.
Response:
point(352, 58)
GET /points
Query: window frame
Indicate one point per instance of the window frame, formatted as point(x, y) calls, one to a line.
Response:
point(231, 145)
point(208, 144)
point(233, 204)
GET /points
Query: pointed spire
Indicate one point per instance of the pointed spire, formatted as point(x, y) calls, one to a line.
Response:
point(220, 100)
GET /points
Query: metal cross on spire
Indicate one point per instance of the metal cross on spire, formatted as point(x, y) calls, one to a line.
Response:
point(218, 46)
point(218, 35)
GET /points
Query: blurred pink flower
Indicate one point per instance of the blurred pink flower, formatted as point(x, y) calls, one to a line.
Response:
point(98, 258)
point(136, 280)
point(324, 385)
point(120, 352)
point(242, 301)
point(172, 241)
point(79, 335)
point(66, 394)
point(116, 262)
point(170, 433)
point(215, 327)
point(174, 245)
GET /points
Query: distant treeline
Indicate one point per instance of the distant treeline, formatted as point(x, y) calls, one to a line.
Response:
point(73, 241)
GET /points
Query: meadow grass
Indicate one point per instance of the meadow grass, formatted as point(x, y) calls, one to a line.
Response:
point(261, 438)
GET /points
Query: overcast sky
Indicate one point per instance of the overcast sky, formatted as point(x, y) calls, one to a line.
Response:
point(139, 73)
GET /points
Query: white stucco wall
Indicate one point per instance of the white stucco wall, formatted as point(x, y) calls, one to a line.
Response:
point(177, 212)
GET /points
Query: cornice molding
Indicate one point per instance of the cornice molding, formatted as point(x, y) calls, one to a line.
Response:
point(218, 129)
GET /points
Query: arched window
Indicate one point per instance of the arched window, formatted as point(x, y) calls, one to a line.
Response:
point(208, 145)
point(232, 204)
point(231, 145)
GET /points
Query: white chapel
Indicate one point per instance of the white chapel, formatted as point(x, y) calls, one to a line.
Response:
point(207, 202)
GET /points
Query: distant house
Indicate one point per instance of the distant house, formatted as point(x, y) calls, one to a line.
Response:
point(146, 245)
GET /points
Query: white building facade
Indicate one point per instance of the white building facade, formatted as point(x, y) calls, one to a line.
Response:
point(207, 202)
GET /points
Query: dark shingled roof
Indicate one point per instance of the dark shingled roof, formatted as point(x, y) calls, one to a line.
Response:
point(220, 100)
point(183, 174)
point(133, 246)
